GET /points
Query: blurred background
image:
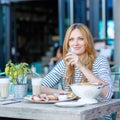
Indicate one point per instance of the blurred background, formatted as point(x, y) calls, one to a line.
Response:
point(30, 30)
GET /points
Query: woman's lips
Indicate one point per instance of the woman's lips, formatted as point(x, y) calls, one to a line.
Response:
point(77, 49)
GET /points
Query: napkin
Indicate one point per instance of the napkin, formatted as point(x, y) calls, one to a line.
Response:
point(6, 102)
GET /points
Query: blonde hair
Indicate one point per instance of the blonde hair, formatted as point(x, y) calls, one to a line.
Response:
point(90, 52)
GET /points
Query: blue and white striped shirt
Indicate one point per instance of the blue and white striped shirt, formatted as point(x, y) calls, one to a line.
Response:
point(101, 69)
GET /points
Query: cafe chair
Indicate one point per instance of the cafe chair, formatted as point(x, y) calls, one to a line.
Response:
point(115, 73)
point(2, 73)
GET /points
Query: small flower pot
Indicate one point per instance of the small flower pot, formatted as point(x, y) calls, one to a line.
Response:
point(20, 91)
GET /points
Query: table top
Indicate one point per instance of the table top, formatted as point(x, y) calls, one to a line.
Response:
point(27, 110)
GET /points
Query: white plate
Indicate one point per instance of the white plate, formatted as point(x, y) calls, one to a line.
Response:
point(69, 104)
point(28, 98)
point(88, 100)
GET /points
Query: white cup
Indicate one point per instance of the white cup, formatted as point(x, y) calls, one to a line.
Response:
point(4, 87)
point(36, 83)
point(62, 97)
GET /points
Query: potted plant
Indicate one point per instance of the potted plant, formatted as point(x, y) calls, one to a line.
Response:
point(17, 74)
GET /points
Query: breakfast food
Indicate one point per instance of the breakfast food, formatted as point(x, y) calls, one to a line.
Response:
point(43, 98)
point(52, 97)
point(70, 95)
point(84, 83)
point(88, 83)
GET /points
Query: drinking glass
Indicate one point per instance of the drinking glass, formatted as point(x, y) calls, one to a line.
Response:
point(4, 87)
point(36, 84)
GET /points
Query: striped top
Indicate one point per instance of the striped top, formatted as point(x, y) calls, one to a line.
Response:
point(101, 69)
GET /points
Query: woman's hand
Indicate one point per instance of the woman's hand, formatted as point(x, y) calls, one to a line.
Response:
point(73, 60)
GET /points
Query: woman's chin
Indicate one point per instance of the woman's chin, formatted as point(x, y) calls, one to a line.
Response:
point(77, 53)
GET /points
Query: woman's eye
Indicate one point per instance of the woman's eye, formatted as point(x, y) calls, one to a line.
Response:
point(81, 39)
point(71, 39)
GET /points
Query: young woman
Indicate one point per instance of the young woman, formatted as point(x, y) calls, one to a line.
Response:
point(82, 64)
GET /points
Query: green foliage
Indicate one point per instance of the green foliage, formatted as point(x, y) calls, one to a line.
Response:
point(18, 72)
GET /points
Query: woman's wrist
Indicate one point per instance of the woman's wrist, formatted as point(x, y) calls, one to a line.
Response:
point(80, 66)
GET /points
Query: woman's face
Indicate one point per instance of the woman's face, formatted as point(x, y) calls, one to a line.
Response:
point(77, 42)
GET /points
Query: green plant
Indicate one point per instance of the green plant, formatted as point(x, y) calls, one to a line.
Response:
point(17, 72)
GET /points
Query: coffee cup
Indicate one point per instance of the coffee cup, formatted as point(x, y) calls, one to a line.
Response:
point(4, 87)
point(36, 83)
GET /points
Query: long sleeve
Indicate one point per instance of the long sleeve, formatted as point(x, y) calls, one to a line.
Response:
point(55, 75)
point(102, 70)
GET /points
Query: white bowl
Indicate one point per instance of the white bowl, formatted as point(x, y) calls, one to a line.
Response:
point(87, 92)
point(62, 97)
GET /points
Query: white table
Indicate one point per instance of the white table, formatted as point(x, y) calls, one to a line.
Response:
point(26, 110)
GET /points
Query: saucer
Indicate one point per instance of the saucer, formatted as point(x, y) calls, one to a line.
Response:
point(70, 104)
point(87, 101)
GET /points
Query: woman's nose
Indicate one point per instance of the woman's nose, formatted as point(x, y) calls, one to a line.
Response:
point(76, 42)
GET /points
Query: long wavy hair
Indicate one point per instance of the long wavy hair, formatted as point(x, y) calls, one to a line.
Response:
point(89, 54)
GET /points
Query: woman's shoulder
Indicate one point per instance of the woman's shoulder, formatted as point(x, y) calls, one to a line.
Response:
point(101, 58)
point(101, 62)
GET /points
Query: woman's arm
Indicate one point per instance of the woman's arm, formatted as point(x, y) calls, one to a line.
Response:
point(54, 76)
point(47, 90)
point(94, 79)
point(103, 71)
